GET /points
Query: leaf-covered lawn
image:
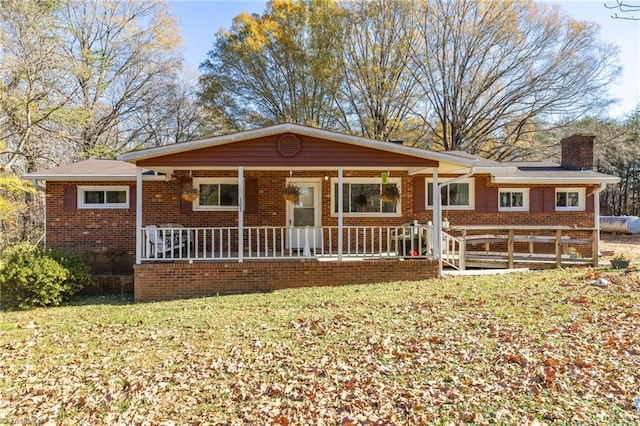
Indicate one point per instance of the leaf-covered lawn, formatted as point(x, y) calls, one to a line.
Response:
point(542, 347)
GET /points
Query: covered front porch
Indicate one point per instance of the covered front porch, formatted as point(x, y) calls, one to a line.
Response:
point(241, 222)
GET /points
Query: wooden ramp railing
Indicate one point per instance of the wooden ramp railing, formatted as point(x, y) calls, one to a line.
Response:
point(510, 245)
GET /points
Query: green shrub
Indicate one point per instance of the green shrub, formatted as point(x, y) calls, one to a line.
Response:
point(79, 275)
point(30, 277)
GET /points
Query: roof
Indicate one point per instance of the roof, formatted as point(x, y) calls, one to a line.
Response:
point(547, 173)
point(91, 169)
point(455, 163)
point(523, 172)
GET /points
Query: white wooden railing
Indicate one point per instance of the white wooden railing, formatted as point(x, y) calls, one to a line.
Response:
point(453, 251)
point(274, 242)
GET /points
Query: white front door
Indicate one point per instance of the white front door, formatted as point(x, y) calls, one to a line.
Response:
point(304, 217)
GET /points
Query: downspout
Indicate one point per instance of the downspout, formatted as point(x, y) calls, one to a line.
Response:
point(596, 217)
point(37, 186)
point(42, 189)
point(438, 224)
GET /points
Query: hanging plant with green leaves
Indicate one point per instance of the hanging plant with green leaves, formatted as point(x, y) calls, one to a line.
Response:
point(390, 193)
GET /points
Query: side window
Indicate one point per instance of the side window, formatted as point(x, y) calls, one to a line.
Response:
point(103, 197)
point(511, 199)
point(455, 196)
point(571, 199)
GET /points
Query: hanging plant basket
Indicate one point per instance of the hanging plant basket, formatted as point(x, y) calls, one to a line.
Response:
point(390, 193)
point(291, 193)
point(189, 193)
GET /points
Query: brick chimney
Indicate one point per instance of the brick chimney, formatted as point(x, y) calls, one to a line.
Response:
point(577, 152)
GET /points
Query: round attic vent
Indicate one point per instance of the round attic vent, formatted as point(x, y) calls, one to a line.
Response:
point(288, 145)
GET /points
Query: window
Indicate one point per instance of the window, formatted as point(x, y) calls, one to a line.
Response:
point(570, 199)
point(103, 197)
point(455, 196)
point(361, 196)
point(512, 199)
point(216, 193)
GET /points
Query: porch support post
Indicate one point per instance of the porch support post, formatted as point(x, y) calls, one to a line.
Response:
point(437, 221)
point(240, 214)
point(340, 210)
point(595, 249)
point(138, 215)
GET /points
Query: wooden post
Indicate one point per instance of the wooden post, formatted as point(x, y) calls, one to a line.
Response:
point(594, 248)
point(510, 249)
point(558, 248)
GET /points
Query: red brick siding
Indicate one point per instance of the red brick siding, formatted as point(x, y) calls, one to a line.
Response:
point(104, 229)
point(162, 281)
point(88, 229)
point(577, 152)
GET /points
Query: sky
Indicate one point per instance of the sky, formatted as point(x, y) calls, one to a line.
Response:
point(200, 20)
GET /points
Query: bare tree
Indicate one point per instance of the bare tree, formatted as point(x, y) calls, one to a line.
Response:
point(376, 98)
point(625, 7)
point(491, 73)
point(171, 114)
point(30, 97)
point(119, 51)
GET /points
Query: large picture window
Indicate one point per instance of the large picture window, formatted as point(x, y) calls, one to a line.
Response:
point(455, 196)
point(216, 193)
point(511, 199)
point(103, 197)
point(570, 199)
point(362, 196)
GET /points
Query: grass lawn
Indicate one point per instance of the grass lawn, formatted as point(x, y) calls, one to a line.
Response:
point(543, 347)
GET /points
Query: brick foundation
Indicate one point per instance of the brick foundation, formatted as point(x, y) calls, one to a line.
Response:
point(165, 281)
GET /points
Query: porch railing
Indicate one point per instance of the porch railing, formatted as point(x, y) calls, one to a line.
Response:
point(453, 251)
point(274, 242)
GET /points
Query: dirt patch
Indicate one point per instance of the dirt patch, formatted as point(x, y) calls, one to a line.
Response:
point(627, 244)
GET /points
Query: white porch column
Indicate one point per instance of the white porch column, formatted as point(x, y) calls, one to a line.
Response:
point(340, 210)
point(240, 214)
point(138, 215)
point(437, 220)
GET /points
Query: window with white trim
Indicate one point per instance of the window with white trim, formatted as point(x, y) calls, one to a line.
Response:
point(216, 194)
point(513, 199)
point(459, 195)
point(363, 196)
point(570, 199)
point(103, 197)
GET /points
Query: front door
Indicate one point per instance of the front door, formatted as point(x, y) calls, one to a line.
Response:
point(304, 216)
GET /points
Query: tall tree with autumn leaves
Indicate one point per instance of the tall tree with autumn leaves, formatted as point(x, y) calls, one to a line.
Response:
point(471, 75)
point(75, 79)
point(278, 67)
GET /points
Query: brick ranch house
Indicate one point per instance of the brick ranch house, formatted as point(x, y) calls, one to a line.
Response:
point(209, 217)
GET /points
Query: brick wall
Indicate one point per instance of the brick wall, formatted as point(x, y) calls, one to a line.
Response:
point(165, 281)
point(97, 230)
point(101, 230)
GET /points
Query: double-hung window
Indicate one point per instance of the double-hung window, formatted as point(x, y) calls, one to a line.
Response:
point(455, 196)
point(103, 197)
point(568, 199)
point(362, 196)
point(513, 199)
point(216, 193)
